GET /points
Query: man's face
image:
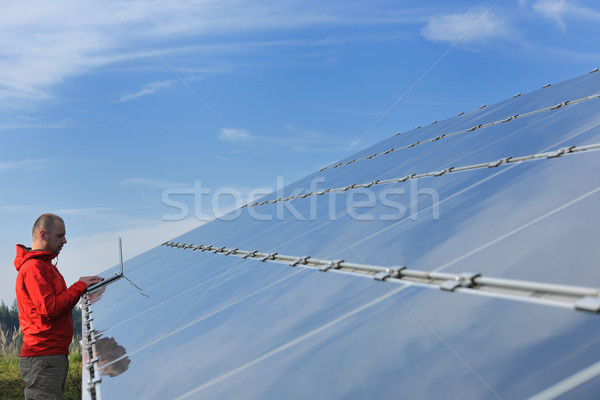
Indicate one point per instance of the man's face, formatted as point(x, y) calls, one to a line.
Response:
point(56, 239)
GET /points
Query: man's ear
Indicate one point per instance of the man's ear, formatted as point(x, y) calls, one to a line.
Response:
point(43, 235)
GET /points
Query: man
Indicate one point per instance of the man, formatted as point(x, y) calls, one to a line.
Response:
point(45, 305)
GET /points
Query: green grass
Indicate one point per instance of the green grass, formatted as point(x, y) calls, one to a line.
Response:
point(11, 385)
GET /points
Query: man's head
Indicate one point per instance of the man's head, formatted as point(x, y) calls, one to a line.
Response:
point(49, 233)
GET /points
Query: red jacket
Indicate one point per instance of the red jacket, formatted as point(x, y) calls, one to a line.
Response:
point(45, 303)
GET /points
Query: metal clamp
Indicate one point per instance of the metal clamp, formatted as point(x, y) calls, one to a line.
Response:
point(268, 257)
point(250, 254)
point(392, 272)
point(91, 362)
point(375, 182)
point(588, 303)
point(299, 261)
point(560, 152)
point(231, 251)
point(442, 172)
point(466, 280)
point(559, 105)
point(93, 382)
point(494, 164)
point(407, 177)
point(331, 265)
point(88, 346)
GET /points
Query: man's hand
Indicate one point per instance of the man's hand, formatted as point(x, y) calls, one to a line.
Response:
point(91, 280)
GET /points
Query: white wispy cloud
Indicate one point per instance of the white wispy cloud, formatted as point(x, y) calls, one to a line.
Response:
point(146, 90)
point(553, 9)
point(309, 140)
point(220, 157)
point(562, 10)
point(21, 91)
point(451, 27)
point(233, 135)
point(290, 137)
point(42, 43)
point(45, 43)
point(27, 165)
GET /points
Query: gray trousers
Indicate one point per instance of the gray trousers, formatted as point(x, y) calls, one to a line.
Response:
point(44, 376)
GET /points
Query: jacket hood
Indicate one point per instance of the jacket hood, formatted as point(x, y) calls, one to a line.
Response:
point(25, 253)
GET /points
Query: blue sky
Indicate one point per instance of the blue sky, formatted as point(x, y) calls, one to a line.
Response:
point(107, 105)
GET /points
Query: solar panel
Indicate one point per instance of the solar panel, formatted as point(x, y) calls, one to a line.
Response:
point(457, 260)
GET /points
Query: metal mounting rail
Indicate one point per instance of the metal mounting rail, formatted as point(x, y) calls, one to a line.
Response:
point(89, 354)
point(503, 161)
point(580, 298)
point(476, 127)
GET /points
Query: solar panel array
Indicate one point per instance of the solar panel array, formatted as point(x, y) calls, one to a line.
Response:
point(331, 287)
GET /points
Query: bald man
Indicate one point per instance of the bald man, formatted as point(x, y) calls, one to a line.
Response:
point(45, 305)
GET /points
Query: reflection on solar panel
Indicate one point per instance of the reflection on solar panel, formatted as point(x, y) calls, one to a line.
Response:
point(330, 288)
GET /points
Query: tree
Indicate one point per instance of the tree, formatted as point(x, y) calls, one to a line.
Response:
point(76, 313)
point(4, 315)
point(9, 317)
